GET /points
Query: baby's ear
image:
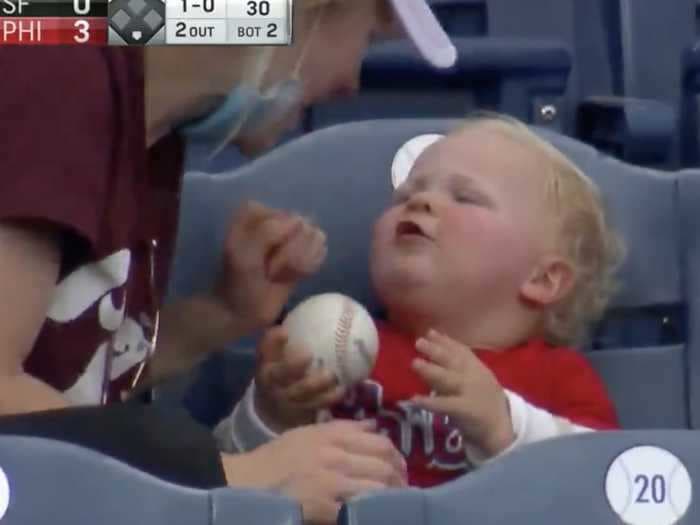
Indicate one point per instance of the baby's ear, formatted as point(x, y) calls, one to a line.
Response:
point(549, 283)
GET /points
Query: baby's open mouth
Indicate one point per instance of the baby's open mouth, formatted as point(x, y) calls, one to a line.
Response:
point(410, 228)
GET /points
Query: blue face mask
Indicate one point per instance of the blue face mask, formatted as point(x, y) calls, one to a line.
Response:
point(244, 112)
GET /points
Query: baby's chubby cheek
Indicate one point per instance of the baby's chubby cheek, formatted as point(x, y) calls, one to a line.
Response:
point(483, 251)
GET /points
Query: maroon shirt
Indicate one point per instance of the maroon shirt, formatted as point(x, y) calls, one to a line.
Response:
point(73, 154)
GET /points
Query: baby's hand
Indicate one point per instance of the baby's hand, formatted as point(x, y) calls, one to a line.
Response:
point(466, 391)
point(288, 392)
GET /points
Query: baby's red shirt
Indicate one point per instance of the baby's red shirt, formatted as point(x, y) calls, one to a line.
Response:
point(556, 379)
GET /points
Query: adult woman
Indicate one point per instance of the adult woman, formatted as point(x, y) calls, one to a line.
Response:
point(88, 218)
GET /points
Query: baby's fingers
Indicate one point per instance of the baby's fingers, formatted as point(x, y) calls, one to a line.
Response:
point(316, 384)
point(288, 371)
point(325, 400)
point(272, 346)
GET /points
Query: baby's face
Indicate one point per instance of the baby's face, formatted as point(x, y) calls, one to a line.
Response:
point(468, 223)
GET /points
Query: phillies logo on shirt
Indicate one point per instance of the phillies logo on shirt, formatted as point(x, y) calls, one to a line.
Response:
point(102, 283)
point(429, 441)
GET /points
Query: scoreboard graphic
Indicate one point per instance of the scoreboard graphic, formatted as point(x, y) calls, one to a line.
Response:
point(146, 22)
point(29, 22)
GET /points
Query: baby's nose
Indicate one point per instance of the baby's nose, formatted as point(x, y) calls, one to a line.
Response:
point(420, 202)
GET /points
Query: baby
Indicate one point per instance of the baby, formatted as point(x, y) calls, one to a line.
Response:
point(492, 261)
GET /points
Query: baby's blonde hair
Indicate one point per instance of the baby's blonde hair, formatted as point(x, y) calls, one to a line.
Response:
point(584, 234)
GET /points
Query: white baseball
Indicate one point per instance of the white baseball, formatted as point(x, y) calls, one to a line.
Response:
point(338, 332)
point(647, 485)
point(407, 154)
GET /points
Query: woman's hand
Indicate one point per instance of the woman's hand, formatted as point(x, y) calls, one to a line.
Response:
point(321, 466)
point(266, 253)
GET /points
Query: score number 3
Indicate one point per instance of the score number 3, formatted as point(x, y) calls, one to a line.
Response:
point(83, 31)
point(82, 26)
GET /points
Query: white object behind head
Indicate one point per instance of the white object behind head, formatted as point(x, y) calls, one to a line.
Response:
point(407, 154)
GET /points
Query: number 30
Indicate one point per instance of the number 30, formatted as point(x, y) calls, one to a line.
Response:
point(262, 8)
point(83, 28)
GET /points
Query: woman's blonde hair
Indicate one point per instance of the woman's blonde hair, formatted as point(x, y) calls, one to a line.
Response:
point(584, 234)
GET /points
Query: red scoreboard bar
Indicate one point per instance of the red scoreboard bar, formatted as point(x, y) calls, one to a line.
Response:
point(53, 22)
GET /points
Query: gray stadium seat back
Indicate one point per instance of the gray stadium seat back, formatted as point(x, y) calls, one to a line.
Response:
point(689, 194)
point(649, 67)
point(340, 177)
point(462, 17)
point(517, 490)
point(526, 20)
point(54, 483)
point(578, 24)
point(652, 66)
point(510, 75)
point(613, 56)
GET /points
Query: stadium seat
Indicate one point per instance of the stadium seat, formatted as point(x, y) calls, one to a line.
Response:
point(577, 27)
point(55, 483)
point(596, 106)
point(690, 107)
point(617, 98)
point(525, 78)
point(640, 121)
point(558, 481)
point(340, 177)
point(525, 20)
point(462, 17)
point(689, 196)
point(651, 67)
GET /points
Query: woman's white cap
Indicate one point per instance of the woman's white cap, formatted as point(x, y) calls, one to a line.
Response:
point(426, 32)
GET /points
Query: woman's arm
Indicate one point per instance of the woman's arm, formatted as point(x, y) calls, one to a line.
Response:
point(29, 266)
point(165, 443)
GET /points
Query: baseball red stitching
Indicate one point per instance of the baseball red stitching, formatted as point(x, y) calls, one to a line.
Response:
point(342, 335)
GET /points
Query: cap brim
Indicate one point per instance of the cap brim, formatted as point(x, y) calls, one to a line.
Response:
point(426, 32)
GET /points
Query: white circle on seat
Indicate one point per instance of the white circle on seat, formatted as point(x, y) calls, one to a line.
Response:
point(4, 493)
point(648, 485)
point(407, 154)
